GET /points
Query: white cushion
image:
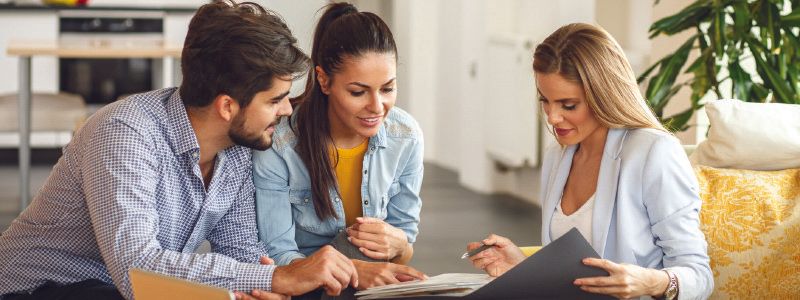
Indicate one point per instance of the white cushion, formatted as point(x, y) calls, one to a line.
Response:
point(751, 136)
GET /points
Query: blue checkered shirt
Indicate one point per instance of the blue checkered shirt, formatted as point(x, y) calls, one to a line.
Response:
point(128, 192)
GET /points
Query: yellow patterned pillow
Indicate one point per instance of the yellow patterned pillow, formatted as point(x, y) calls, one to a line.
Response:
point(752, 225)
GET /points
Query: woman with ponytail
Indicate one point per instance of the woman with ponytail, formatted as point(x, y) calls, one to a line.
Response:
point(346, 168)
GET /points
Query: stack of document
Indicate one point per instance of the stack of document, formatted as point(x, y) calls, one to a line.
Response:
point(451, 284)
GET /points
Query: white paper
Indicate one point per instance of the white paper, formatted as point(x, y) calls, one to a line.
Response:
point(450, 284)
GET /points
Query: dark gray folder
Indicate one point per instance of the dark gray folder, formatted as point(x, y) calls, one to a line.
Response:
point(547, 274)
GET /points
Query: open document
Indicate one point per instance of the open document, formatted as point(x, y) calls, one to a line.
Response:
point(547, 274)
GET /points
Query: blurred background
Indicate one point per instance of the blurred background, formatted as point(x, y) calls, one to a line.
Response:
point(464, 73)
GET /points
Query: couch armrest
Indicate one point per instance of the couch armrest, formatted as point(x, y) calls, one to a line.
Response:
point(530, 250)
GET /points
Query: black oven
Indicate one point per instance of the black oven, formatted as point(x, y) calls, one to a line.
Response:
point(104, 80)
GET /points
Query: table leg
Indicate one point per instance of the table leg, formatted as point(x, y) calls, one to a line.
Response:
point(24, 130)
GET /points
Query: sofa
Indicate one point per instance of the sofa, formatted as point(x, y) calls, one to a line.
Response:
point(749, 174)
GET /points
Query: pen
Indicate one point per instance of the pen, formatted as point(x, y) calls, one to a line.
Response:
point(476, 251)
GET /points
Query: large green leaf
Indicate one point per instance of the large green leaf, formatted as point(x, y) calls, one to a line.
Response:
point(741, 19)
point(781, 63)
point(791, 50)
point(699, 62)
point(709, 63)
point(758, 93)
point(700, 83)
point(717, 31)
point(792, 44)
point(792, 19)
point(794, 74)
point(741, 83)
point(687, 18)
point(649, 70)
point(769, 18)
point(679, 122)
point(660, 85)
point(783, 92)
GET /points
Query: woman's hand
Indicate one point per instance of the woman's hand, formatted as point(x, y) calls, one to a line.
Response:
point(624, 280)
point(377, 239)
point(372, 274)
point(498, 259)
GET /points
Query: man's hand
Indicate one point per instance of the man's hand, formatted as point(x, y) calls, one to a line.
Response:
point(374, 274)
point(326, 268)
point(259, 294)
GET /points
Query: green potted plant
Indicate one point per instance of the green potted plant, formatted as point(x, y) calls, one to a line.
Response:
point(729, 34)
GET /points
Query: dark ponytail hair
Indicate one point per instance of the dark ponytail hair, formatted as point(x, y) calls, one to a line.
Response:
point(342, 32)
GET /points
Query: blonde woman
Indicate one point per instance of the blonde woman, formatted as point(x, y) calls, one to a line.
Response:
point(618, 176)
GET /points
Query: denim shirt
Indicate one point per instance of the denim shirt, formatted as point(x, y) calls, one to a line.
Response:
point(390, 185)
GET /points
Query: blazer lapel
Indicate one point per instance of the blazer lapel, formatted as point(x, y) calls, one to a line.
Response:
point(606, 193)
point(555, 188)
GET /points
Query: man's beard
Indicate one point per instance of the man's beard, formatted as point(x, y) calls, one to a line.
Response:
point(241, 137)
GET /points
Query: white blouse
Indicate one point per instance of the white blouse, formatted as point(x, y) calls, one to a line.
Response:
point(581, 219)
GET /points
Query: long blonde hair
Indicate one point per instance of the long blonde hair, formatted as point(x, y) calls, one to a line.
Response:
point(587, 55)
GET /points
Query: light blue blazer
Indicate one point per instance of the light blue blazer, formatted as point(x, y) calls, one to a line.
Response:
point(646, 209)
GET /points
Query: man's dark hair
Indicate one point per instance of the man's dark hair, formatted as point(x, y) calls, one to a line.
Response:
point(236, 50)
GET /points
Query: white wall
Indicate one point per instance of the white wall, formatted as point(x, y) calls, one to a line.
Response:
point(536, 19)
point(301, 17)
point(27, 25)
point(444, 44)
point(415, 30)
point(445, 139)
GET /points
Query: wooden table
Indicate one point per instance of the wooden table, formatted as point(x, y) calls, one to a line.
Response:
point(27, 49)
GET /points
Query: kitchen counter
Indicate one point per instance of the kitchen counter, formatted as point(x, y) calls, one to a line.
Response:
point(30, 48)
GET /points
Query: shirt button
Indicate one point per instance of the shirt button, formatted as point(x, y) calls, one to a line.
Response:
point(194, 154)
point(366, 202)
point(305, 200)
point(340, 230)
point(365, 171)
point(337, 200)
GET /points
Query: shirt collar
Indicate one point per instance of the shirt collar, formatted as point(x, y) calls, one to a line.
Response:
point(180, 132)
point(380, 138)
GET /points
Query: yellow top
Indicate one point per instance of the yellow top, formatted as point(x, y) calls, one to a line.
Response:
point(348, 176)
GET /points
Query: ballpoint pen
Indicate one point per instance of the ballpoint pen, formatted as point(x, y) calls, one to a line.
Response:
point(476, 251)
